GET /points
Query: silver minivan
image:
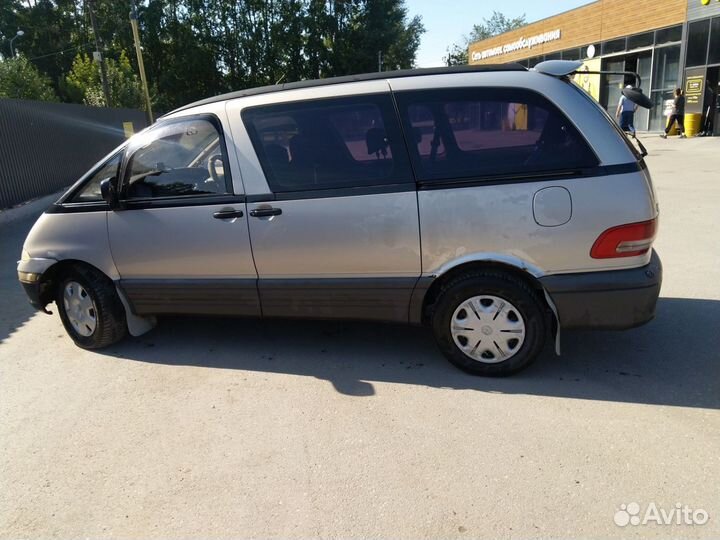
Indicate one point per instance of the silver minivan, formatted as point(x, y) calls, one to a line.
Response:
point(495, 204)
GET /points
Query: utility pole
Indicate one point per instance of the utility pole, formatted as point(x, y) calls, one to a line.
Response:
point(380, 60)
point(141, 65)
point(100, 56)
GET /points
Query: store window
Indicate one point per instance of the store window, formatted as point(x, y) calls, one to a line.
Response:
point(714, 57)
point(614, 46)
point(553, 56)
point(668, 35)
point(698, 34)
point(572, 54)
point(640, 40)
point(612, 84)
point(665, 80)
point(667, 64)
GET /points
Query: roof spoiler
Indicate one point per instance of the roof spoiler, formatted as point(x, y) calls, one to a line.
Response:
point(565, 68)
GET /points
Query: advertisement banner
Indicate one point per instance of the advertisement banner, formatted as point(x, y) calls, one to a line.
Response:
point(694, 90)
point(590, 82)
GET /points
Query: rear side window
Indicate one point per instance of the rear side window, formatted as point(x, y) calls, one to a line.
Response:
point(329, 144)
point(477, 133)
point(179, 158)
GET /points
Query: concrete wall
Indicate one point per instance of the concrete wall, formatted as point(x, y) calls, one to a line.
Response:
point(47, 146)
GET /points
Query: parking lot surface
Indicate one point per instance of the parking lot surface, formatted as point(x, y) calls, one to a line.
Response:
point(208, 428)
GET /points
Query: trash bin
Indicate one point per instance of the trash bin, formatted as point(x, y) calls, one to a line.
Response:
point(692, 124)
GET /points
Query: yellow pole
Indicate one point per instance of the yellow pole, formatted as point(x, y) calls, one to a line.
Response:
point(141, 65)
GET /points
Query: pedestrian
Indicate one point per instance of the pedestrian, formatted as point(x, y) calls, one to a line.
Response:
point(677, 114)
point(626, 113)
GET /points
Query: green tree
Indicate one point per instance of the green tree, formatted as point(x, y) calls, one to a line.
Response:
point(84, 85)
point(382, 26)
point(20, 79)
point(199, 48)
point(457, 54)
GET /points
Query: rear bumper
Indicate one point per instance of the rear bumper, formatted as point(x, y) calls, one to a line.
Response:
point(610, 300)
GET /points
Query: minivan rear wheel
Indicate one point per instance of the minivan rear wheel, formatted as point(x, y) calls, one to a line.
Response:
point(489, 323)
point(90, 308)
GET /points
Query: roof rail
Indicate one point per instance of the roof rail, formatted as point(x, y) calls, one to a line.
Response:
point(356, 78)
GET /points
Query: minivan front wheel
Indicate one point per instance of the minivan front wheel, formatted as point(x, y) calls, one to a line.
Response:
point(90, 308)
point(489, 323)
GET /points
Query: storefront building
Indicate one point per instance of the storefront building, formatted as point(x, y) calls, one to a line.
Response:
point(670, 43)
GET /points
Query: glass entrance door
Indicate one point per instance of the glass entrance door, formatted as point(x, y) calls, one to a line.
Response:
point(644, 69)
point(664, 81)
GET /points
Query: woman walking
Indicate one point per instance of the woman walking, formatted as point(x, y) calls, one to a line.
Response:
point(678, 111)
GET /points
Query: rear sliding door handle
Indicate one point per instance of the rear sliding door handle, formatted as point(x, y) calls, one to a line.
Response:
point(265, 212)
point(228, 214)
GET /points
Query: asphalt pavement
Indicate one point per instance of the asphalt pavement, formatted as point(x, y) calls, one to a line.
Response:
point(210, 428)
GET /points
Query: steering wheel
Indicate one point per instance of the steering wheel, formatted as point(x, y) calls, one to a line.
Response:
point(212, 169)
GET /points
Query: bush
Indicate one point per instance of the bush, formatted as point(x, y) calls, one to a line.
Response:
point(20, 79)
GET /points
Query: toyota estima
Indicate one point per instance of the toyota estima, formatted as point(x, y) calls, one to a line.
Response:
point(494, 204)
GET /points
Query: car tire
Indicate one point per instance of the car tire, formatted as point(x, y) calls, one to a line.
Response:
point(90, 308)
point(489, 323)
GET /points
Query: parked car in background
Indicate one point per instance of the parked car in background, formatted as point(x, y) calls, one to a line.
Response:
point(494, 204)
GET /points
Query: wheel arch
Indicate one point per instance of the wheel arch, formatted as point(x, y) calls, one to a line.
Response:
point(435, 286)
point(137, 325)
point(49, 279)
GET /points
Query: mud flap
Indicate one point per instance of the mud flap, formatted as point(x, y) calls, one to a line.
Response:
point(137, 326)
point(557, 321)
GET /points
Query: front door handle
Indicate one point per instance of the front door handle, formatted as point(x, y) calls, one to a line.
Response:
point(265, 212)
point(228, 214)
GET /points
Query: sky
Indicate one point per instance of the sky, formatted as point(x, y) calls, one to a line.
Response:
point(446, 21)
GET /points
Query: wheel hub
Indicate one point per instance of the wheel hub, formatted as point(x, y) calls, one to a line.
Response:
point(79, 308)
point(488, 329)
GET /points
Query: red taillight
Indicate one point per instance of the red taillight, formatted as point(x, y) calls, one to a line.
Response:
point(625, 240)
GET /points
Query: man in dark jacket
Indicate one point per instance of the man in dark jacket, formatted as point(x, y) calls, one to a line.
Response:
point(677, 114)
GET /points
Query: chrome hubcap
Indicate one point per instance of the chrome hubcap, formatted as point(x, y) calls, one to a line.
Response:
point(488, 329)
point(80, 309)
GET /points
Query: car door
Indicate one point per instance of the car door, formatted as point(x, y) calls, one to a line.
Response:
point(333, 220)
point(180, 239)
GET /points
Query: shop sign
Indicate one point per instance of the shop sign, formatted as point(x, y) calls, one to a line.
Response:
point(694, 90)
point(522, 43)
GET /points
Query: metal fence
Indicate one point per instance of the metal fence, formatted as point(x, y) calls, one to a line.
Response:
point(47, 146)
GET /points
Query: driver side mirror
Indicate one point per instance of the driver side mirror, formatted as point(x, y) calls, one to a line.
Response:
point(108, 192)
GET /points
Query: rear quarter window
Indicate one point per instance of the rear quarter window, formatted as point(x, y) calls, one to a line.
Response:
point(480, 132)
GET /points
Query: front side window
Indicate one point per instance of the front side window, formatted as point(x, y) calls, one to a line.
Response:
point(475, 133)
point(329, 144)
point(178, 159)
point(90, 191)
